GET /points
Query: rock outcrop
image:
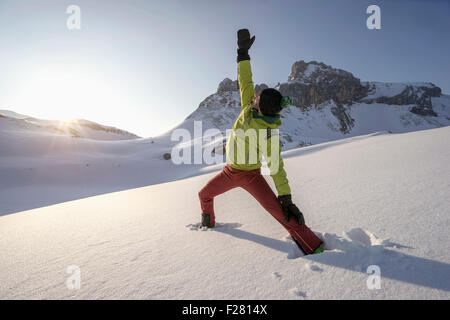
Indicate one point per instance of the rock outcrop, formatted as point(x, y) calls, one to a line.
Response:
point(313, 83)
point(227, 85)
point(418, 95)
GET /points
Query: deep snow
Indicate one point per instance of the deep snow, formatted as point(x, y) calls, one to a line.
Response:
point(380, 199)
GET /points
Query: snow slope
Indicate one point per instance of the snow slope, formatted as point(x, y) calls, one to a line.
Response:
point(11, 121)
point(38, 169)
point(380, 199)
point(42, 162)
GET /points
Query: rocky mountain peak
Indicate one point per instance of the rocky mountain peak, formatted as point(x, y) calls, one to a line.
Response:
point(313, 83)
point(227, 85)
point(260, 87)
point(309, 72)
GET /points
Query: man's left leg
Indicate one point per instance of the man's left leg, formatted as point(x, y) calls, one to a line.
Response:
point(261, 191)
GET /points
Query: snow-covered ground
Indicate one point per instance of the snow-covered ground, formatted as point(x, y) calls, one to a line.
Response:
point(40, 166)
point(377, 200)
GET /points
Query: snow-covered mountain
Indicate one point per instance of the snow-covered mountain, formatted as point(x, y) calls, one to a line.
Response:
point(78, 128)
point(333, 104)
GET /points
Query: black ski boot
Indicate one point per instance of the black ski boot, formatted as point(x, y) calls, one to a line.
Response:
point(206, 220)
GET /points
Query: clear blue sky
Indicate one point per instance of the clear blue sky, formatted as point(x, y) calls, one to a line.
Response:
point(144, 66)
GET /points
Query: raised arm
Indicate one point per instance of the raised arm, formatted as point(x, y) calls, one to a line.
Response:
point(246, 87)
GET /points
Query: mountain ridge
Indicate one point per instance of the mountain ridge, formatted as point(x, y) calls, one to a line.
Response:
point(331, 103)
point(76, 128)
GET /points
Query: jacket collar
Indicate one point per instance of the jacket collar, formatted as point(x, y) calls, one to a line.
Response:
point(268, 119)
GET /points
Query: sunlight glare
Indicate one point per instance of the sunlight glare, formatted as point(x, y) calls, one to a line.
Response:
point(67, 93)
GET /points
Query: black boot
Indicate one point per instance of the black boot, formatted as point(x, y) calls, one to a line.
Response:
point(206, 220)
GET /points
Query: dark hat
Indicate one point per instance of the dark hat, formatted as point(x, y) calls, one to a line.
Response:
point(270, 102)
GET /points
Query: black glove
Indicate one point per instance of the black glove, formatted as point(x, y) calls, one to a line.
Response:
point(244, 43)
point(290, 209)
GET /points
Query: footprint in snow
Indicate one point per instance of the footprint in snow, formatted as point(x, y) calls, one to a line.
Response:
point(198, 226)
point(298, 293)
point(294, 251)
point(354, 240)
point(277, 276)
point(313, 267)
point(363, 237)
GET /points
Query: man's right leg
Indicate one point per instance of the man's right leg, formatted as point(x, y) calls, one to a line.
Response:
point(221, 183)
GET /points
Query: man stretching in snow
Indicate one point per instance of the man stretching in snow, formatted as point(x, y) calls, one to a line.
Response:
point(260, 113)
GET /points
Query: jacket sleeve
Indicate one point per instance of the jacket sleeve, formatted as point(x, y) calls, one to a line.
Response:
point(246, 87)
point(272, 154)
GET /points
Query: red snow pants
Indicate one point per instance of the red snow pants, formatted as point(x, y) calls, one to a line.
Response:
point(257, 186)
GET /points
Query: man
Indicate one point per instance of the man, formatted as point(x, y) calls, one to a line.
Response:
point(255, 132)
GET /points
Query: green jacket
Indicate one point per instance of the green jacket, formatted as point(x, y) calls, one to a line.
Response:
point(254, 134)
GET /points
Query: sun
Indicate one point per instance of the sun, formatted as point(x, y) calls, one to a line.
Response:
point(65, 92)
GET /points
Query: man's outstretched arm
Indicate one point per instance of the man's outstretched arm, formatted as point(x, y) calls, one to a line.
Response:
point(246, 87)
point(272, 154)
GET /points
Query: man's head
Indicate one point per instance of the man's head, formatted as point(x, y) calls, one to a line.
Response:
point(268, 102)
